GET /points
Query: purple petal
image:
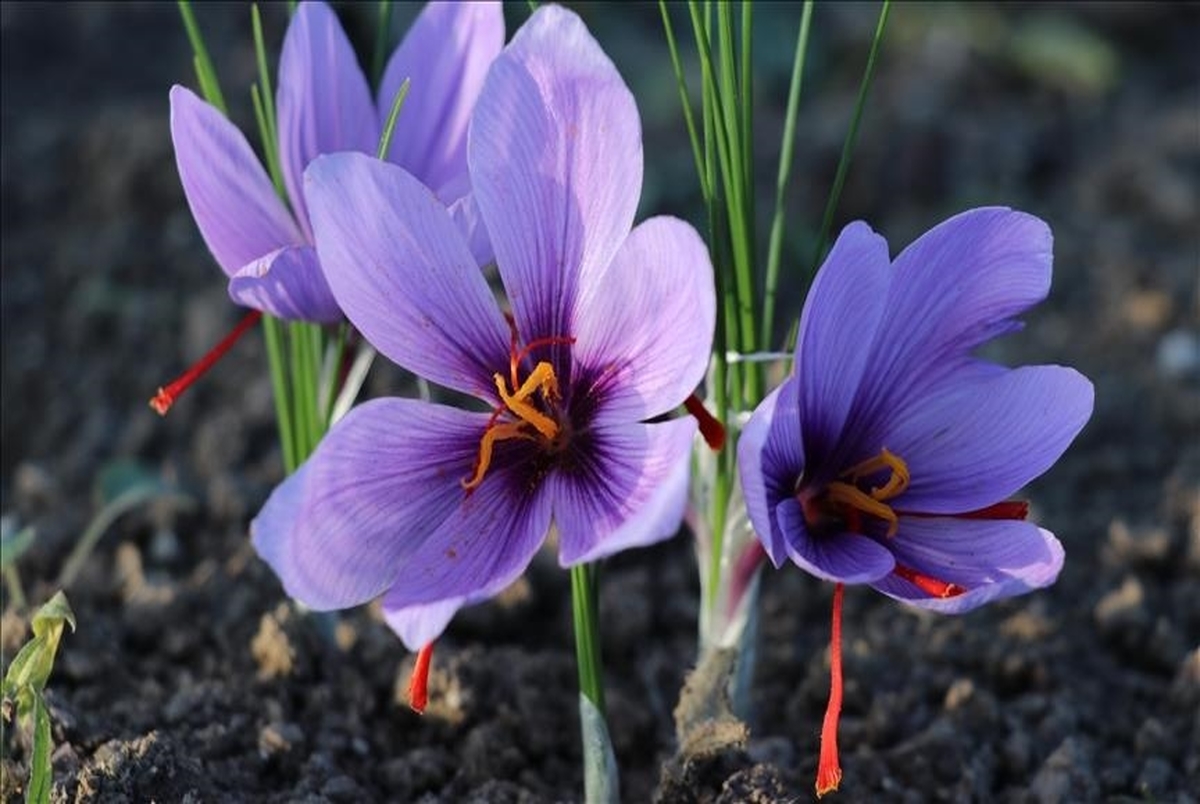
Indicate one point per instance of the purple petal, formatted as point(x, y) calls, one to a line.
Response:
point(955, 288)
point(993, 559)
point(555, 155)
point(401, 272)
point(232, 200)
point(838, 557)
point(338, 530)
point(841, 314)
point(644, 321)
point(981, 440)
point(323, 102)
point(630, 492)
point(445, 54)
point(465, 214)
point(419, 625)
point(287, 283)
point(770, 463)
point(485, 543)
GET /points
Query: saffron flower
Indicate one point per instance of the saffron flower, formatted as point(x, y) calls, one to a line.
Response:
point(323, 105)
point(889, 455)
point(609, 328)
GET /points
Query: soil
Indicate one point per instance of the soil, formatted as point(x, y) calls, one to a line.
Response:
point(192, 677)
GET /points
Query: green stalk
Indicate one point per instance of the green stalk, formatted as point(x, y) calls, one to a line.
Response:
point(585, 610)
point(681, 81)
point(786, 152)
point(205, 74)
point(273, 332)
point(381, 41)
point(851, 137)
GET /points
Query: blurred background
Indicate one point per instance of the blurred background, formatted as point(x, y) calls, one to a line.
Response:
point(188, 656)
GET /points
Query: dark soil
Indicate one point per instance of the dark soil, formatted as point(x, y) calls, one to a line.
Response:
point(192, 678)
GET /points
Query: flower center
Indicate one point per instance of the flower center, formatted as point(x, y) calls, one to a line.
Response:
point(529, 419)
point(848, 500)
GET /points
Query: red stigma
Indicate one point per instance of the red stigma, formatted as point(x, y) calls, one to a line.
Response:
point(712, 430)
point(418, 685)
point(167, 395)
point(1009, 509)
point(829, 771)
point(930, 586)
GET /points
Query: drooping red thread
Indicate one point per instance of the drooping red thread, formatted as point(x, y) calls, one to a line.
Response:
point(829, 771)
point(1008, 509)
point(167, 395)
point(710, 428)
point(418, 684)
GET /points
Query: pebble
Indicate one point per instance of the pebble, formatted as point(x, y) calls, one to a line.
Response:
point(1178, 354)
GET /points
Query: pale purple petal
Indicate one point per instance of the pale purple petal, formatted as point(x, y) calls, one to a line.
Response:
point(629, 491)
point(555, 154)
point(287, 283)
point(488, 540)
point(232, 199)
point(841, 314)
point(770, 463)
point(958, 286)
point(418, 625)
point(839, 557)
point(403, 275)
point(445, 55)
point(421, 624)
point(980, 441)
point(644, 322)
point(384, 478)
point(465, 214)
point(993, 559)
point(323, 102)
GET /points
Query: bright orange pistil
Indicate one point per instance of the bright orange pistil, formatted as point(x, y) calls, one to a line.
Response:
point(848, 499)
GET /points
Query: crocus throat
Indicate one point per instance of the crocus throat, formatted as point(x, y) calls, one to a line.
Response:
point(847, 500)
point(167, 395)
point(529, 419)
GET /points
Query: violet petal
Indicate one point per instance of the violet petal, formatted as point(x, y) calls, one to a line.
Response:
point(339, 529)
point(227, 189)
point(403, 275)
point(287, 283)
point(630, 492)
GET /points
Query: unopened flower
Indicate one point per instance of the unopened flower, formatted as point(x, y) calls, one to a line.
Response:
point(888, 457)
point(323, 105)
point(433, 506)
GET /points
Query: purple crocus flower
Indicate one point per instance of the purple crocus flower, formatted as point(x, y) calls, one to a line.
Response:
point(323, 105)
point(888, 456)
point(434, 506)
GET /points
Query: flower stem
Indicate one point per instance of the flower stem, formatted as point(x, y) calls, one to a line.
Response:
point(584, 606)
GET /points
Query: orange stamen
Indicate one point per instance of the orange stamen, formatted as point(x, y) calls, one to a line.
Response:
point(829, 771)
point(852, 499)
point(710, 427)
point(418, 684)
point(931, 586)
point(167, 395)
point(494, 433)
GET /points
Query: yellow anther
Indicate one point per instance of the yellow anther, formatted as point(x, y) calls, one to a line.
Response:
point(896, 483)
point(497, 432)
point(845, 494)
point(542, 377)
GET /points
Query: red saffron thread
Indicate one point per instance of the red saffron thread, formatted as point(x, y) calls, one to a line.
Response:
point(166, 396)
point(1008, 509)
point(712, 429)
point(829, 772)
point(930, 586)
point(418, 685)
